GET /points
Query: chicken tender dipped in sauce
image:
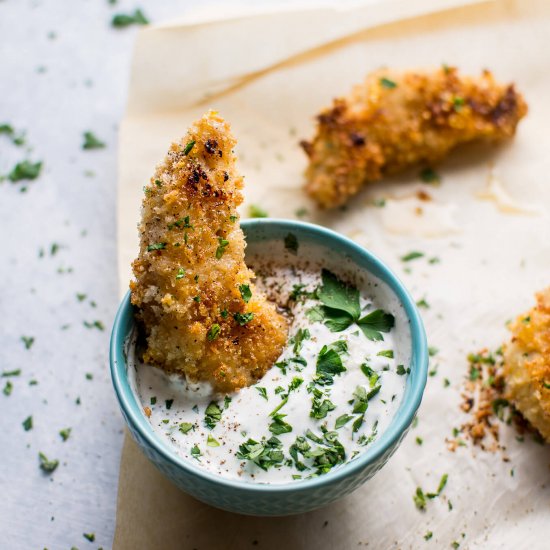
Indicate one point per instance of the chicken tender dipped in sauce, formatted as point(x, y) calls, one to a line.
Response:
point(397, 120)
point(195, 298)
point(527, 365)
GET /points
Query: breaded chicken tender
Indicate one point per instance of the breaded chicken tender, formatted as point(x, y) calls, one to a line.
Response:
point(202, 315)
point(527, 365)
point(397, 120)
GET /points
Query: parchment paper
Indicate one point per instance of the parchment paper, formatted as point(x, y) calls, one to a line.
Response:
point(488, 224)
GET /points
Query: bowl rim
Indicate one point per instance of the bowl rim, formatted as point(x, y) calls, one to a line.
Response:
point(393, 432)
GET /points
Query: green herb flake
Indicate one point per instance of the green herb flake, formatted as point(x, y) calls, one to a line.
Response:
point(196, 298)
point(233, 219)
point(25, 170)
point(156, 246)
point(419, 441)
point(265, 454)
point(301, 335)
point(212, 415)
point(428, 535)
point(89, 536)
point(8, 388)
point(246, 293)
point(341, 421)
point(65, 433)
point(226, 401)
point(196, 452)
point(27, 423)
point(412, 256)
point(8, 373)
point(47, 465)
point(291, 243)
point(387, 83)
point(89, 376)
point(211, 442)
point(423, 303)
point(429, 175)
point(222, 245)
point(122, 20)
point(419, 499)
point(189, 146)
point(92, 142)
point(213, 332)
point(180, 274)
point(243, 318)
point(185, 427)
point(168, 403)
point(255, 211)
point(458, 103)
point(386, 353)
point(262, 391)
point(401, 370)
point(28, 341)
point(278, 426)
point(375, 323)
point(94, 324)
point(432, 351)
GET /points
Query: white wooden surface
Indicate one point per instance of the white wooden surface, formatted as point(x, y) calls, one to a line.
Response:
point(63, 71)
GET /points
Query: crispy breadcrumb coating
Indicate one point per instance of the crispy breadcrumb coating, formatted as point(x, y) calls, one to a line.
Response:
point(397, 120)
point(202, 315)
point(527, 364)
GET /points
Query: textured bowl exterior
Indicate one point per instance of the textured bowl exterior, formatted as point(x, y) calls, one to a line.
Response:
point(297, 496)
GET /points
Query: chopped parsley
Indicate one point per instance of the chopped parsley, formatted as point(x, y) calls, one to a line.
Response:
point(211, 441)
point(428, 535)
point(387, 83)
point(278, 426)
point(329, 364)
point(182, 223)
point(7, 373)
point(185, 427)
point(189, 147)
point(65, 433)
point(27, 423)
point(122, 20)
point(25, 170)
point(386, 353)
point(168, 403)
point(222, 245)
point(156, 246)
point(243, 318)
point(291, 243)
point(429, 175)
point(246, 293)
point(262, 391)
point(412, 256)
point(298, 340)
point(401, 370)
point(423, 303)
point(47, 465)
point(92, 142)
point(16, 138)
point(342, 421)
point(196, 452)
point(94, 324)
point(89, 536)
point(458, 103)
point(320, 407)
point(181, 274)
point(212, 415)
point(370, 374)
point(213, 332)
point(8, 388)
point(255, 211)
point(265, 454)
point(28, 341)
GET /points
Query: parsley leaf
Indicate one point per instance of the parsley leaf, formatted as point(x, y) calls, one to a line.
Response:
point(196, 452)
point(329, 364)
point(342, 421)
point(262, 392)
point(213, 332)
point(212, 442)
point(255, 211)
point(27, 423)
point(265, 454)
point(246, 293)
point(279, 426)
point(387, 83)
point(429, 175)
point(243, 318)
point(189, 147)
point(212, 415)
point(320, 407)
point(91, 142)
point(65, 433)
point(412, 256)
point(156, 246)
point(338, 295)
point(46, 465)
point(299, 337)
point(28, 341)
point(122, 20)
point(222, 245)
point(25, 170)
point(375, 323)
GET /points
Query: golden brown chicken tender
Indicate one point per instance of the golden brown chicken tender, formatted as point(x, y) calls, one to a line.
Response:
point(202, 315)
point(397, 120)
point(527, 365)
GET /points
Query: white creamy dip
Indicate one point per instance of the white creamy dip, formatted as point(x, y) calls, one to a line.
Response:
point(232, 437)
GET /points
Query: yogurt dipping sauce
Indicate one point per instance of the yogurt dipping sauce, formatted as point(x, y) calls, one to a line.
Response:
point(329, 396)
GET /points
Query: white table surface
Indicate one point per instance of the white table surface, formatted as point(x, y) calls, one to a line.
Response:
point(63, 70)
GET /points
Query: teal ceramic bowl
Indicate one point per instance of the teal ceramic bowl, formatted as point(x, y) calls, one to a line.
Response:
point(295, 497)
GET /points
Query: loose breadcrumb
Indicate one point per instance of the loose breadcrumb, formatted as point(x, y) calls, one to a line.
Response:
point(202, 315)
point(396, 120)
